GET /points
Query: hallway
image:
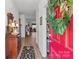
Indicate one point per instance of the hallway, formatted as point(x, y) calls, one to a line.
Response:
point(30, 41)
point(51, 27)
point(20, 13)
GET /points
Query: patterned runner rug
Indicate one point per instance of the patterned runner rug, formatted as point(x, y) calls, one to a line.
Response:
point(28, 53)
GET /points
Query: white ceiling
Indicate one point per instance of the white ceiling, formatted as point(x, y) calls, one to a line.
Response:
point(27, 7)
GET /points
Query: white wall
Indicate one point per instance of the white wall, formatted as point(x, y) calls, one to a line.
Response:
point(23, 23)
point(41, 29)
point(10, 7)
point(37, 26)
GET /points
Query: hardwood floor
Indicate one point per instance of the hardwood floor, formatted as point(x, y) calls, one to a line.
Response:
point(30, 41)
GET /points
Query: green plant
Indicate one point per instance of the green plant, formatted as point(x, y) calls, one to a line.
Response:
point(59, 25)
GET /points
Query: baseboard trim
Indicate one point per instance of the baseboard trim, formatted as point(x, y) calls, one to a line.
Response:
point(40, 52)
point(20, 53)
point(20, 49)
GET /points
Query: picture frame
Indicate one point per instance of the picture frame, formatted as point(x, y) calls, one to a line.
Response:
point(41, 20)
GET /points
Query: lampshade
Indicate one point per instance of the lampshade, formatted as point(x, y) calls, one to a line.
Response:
point(13, 24)
point(17, 25)
point(9, 25)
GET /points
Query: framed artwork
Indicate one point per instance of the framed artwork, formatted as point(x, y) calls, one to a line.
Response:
point(41, 20)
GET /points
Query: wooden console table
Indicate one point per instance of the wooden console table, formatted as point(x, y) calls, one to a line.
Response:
point(13, 45)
